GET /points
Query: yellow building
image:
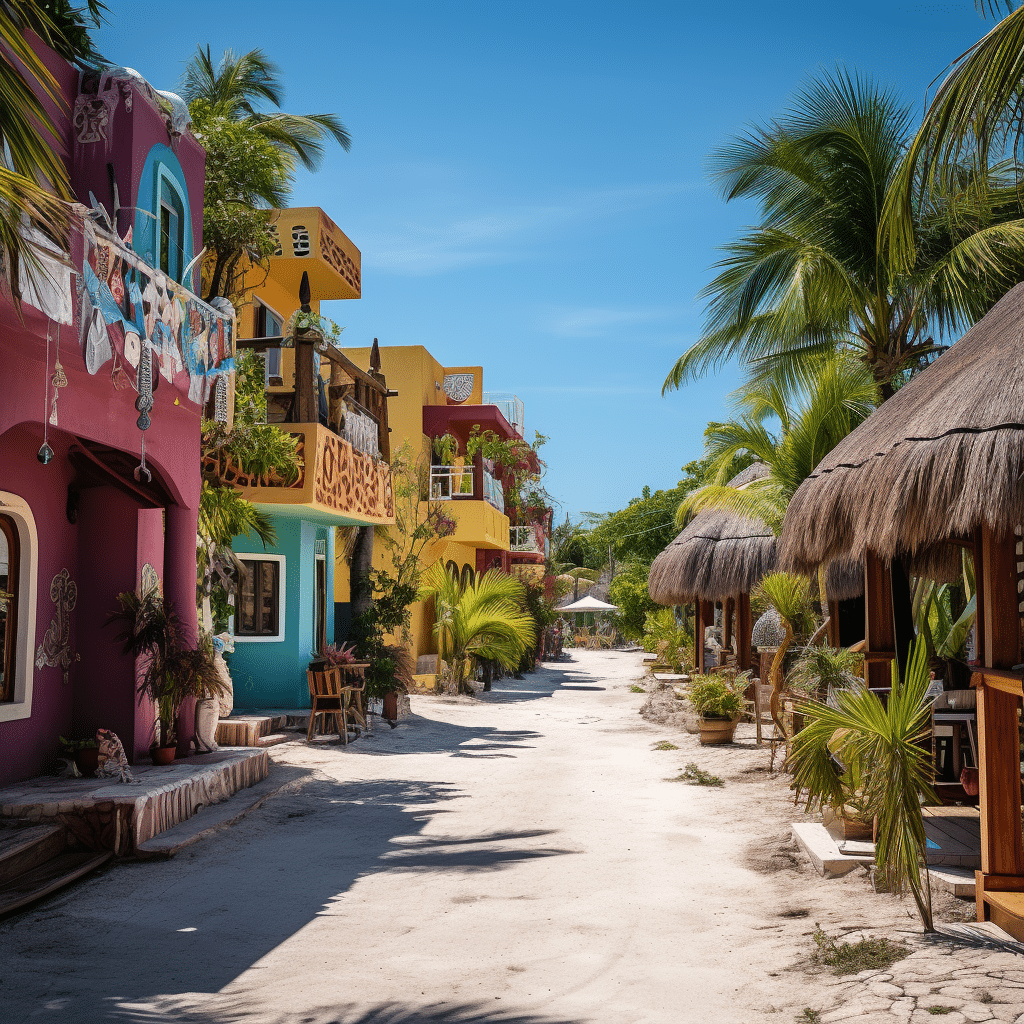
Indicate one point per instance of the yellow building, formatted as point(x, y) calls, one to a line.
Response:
point(433, 400)
point(285, 609)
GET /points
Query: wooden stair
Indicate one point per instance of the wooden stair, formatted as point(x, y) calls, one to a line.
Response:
point(260, 730)
point(36, 860)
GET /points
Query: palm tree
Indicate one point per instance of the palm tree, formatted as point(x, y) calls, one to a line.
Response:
point(483, 619)
point(234, 89)
point(34, 185)
point(816, 274)
point(977, 109)
point(880, 746)
point(837, 393)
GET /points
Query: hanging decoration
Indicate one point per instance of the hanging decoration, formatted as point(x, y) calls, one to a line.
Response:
point(55, 650)
point(45, 453)
point(57, 381)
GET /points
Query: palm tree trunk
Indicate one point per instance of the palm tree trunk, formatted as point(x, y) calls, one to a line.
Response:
point(777, 680)
point(359, 571)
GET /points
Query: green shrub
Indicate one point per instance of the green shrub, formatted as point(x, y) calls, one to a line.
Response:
point(717, 696)
point(671, 642)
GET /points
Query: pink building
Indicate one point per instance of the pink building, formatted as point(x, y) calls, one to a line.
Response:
point(98, 491)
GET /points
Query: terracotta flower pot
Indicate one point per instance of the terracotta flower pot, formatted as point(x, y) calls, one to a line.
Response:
point(164, 755)
point(87, 760)
point(390, 707)
point(969, 780)
point(715, 731)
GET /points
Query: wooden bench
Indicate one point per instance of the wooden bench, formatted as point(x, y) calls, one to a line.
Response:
point(1000, 899)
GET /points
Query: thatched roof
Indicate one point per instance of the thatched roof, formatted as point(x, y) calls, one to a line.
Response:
point(719, 555)
point(844, 579)
point(944, 455)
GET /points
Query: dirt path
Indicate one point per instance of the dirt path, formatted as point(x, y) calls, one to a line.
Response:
point(522, 854)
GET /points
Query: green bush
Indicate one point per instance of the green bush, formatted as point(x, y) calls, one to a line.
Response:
point(672, 643)
point(717, 696)
point(629, 592)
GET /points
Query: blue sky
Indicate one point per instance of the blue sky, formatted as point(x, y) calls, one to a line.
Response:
point(527, 181)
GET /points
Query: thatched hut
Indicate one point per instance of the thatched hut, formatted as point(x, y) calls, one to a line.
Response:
point(718, 558)
point(938, 468)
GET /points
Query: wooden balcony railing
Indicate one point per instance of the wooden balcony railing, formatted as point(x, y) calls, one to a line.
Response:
point(334, 478)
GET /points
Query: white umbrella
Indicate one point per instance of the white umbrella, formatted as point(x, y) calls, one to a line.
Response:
point(589, 604)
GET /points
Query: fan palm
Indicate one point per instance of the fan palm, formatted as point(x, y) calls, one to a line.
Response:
point(483, 619)
point(816, 274)
point(838, 393)
point(34, 185)
point(239, 84)
point(880, 746)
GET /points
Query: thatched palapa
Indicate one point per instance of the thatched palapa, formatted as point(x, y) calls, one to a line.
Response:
point(942, 457)
point(719, 555)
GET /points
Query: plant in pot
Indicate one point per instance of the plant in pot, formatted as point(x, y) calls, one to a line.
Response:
point(85, 753)
point(718, 701)
point(171, 669)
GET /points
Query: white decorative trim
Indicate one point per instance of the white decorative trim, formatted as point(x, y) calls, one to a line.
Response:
point(18, 509)
point(278, 637)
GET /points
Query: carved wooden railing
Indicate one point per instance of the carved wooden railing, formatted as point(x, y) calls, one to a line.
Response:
point(339, 478)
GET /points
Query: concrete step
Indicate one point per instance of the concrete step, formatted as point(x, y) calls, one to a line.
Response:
point(25, 845)
point(823, 853)
point(47, 878)
point(213, 819)
point(274, 738)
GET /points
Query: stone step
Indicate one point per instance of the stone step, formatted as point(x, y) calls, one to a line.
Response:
point(26, 845)
point(213, 819)
point(274, 738)
point(47, 878)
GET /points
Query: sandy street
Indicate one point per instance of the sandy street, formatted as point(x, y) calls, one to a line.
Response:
point(521, 854)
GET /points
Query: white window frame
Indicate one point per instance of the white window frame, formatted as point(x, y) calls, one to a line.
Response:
point(279, 636)
point(18, 509)
point(277, 349)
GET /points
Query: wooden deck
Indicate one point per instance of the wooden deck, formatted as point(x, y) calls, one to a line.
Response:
point(954, 836)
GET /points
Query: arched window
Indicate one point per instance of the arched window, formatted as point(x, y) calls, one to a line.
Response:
point(467, 576)
point(171, 211)
point(10, 562)
point(163, 220)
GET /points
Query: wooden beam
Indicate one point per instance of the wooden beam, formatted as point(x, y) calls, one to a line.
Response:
point(728, 606)
point(1002, 846)
point(307, 399)
point(833, 624)
point(706, 618)
point(996, 577)
point(878, 622)
point(743, 630)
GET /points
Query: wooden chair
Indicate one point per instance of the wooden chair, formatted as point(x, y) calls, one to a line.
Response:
point(355, 686)
point(328, 696)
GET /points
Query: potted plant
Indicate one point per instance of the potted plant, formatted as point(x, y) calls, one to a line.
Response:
point(172, 669)
point(85, 753)
point(718, 701)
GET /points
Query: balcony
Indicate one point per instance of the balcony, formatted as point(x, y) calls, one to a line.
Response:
point(461, 482)
point(308, 240)
point(509, 405)
point(532, 539)
point(478, 524)
point(337, 483)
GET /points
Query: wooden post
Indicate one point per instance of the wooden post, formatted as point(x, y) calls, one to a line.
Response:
point(743, 630)
point(902, 615)
point(833, 624)
point(878, 622)
point(307, 398)
point(998, 626)
point(727, 609)
point(705, 617)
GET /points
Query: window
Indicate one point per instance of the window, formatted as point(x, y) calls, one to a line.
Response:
point(172, 227)
point(320, 618)
point(10, 562)
point(268, 325)
point(259, 611)
point(19, 569)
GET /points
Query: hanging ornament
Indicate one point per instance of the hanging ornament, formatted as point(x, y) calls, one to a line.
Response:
point(144, 404)
point(58, 381)
point(45, 453)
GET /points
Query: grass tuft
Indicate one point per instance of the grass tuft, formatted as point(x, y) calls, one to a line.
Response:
point(854, 957)
point(985, 996)
point(941, 1009)
point(694, 775)
point(636, 689)
point(809, 1016)
point(665, 745)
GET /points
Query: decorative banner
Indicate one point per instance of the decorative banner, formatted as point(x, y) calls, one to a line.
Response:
point(126, 307)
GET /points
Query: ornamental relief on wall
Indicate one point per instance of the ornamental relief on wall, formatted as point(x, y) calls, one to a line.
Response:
point(55, 650)
point(458, 386)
